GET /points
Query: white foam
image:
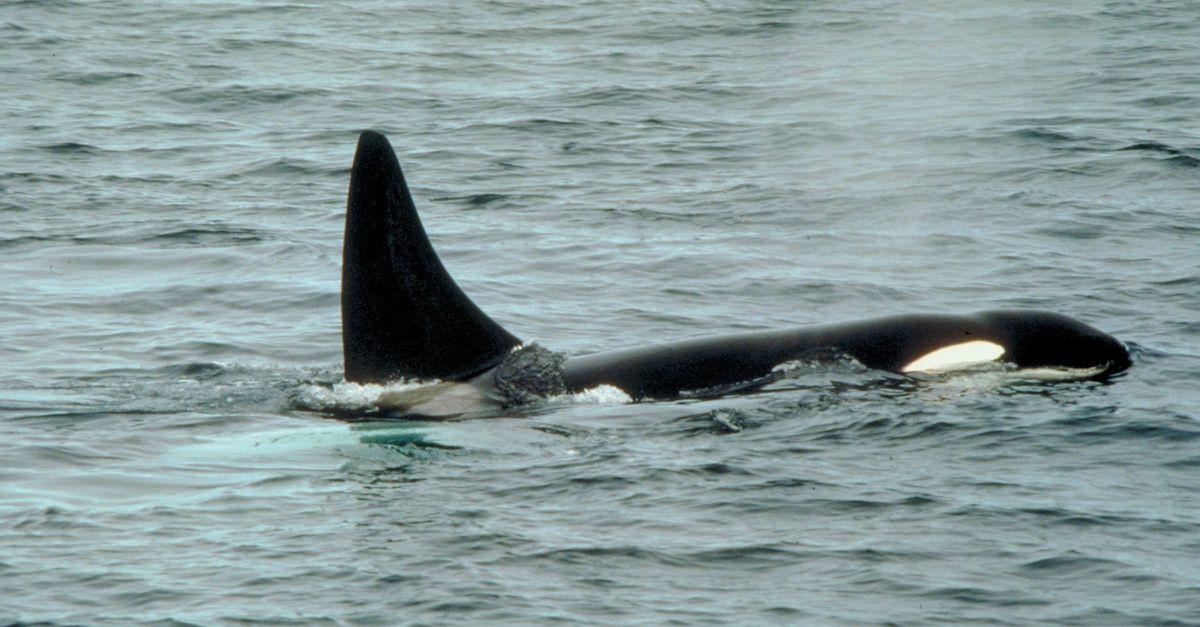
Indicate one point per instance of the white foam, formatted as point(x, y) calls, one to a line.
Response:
point(1057, 374)
point(599, 395)
point(346, 396)
point(831, 362)
point(997, 375)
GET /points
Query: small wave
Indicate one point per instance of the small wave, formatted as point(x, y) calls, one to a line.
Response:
point(1079, 519)
point(255, 8)
point(196, 370)
point(70, 148)
point(904, 428)
point(733, 28)
point(717, 422)
point(46, 4)
point(1184, 161)
point(95, 78)
point(1153, 146)
point(475, 200)
point(852, 505)
point(1143, 431)
point(536, 125)
point(1072, 229)
point(980, 596)
point(1176, 156)
point(756, 556)
point(34, 177)
point(593, 554)
point(1163, 101)
point(233, 97)
point(49, 518)
point(615, 95)
point(1071, 564)
point(1042, 135)
point(406, 440)
point(792, 483)
point(479, 200)
point(205, 236)
point(17, 242)
point(285, 166)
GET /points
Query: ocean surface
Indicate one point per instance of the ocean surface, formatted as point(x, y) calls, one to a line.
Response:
point(177, 445)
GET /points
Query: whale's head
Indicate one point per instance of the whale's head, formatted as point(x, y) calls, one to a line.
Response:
point(1040, 339)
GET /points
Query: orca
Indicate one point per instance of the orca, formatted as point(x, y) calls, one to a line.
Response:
point(404, 318)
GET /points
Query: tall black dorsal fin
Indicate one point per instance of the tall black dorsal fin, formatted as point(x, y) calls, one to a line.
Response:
point(402, 314)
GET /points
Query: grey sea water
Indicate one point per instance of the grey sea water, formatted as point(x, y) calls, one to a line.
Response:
point(596, 175)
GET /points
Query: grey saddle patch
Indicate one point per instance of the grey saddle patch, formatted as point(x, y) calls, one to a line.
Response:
point(529, 373)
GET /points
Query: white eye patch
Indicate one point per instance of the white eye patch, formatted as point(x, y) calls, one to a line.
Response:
point(956, 356)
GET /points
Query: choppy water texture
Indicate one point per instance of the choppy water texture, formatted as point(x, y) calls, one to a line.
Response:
point(596, 175)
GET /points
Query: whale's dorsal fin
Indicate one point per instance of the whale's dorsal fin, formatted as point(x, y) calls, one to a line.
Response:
point(402, 314)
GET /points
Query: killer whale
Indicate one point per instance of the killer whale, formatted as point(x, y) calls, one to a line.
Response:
point(404, 317)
